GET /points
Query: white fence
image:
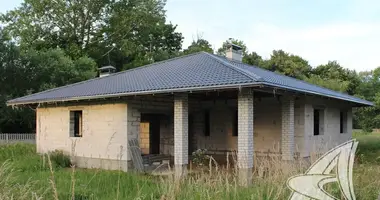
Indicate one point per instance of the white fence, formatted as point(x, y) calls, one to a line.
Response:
point(17, 137)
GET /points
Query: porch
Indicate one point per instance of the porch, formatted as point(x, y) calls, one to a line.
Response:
point(247, 122)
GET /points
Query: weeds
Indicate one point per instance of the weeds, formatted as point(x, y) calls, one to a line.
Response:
point(60, 159)
point(51, 179)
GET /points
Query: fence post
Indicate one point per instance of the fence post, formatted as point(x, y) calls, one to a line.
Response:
point(7, 139)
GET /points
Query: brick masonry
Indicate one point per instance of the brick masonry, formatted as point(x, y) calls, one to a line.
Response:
point(331, 135)
point(287, 128)
point(245, 129)
point(107, 126)
point(181, 116)
point(104, 132)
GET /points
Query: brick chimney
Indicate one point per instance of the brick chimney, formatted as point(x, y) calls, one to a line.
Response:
point(234, 52)
point(106, 70)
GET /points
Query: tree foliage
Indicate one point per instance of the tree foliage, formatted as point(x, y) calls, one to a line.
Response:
point(123, 33)
point(51, 43)
point(199, 45)
point(288, 64)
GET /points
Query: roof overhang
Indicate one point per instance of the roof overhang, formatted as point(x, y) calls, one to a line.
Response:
point(358, 102)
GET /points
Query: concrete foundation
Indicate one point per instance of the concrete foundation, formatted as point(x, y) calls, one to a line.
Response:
point(101, 163)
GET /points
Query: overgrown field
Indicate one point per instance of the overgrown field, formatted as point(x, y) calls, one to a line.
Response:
point(27, 175)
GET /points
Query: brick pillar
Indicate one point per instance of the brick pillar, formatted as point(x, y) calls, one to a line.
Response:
point(287, 130)
point(245, 136)
point(181, 116)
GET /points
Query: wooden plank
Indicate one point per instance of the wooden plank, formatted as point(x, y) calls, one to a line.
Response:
point(135, 152)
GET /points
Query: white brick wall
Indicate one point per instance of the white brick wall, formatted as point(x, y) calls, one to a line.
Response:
point(245, 129)
point(287, 129)
point(104, 131)
point(181, 129)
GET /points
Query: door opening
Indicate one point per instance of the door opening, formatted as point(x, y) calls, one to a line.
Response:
point(150, 133)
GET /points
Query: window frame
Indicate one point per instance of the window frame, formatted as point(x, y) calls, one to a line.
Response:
point(76, 123)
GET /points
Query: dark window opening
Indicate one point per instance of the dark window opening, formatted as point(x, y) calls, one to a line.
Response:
point(235, 131)
point(316, 121)
point(343, 122)
point(207, 123)
point(76, 123)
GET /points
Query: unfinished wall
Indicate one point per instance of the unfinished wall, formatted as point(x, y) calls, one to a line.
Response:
point(267, 126)
point(104, 140)
point(157, 105)
point(331, 127)
point(106, 127)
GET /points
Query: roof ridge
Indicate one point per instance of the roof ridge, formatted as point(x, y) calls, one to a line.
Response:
point(242, 71)
point(98, 78)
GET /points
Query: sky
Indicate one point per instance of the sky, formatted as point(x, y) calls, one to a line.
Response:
point(347, 31)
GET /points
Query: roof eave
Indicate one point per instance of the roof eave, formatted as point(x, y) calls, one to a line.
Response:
point(363, 103)
point(189, 89)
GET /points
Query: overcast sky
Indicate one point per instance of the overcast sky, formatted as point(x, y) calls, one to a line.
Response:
point(344, 30)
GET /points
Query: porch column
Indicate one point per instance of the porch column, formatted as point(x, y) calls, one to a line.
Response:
point(287, 130)
point(180, 134)
point(245, 135)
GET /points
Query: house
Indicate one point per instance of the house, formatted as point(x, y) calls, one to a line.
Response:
point(195, 101)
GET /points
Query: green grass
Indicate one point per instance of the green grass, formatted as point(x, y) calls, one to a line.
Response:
point(26, 175)
point(369, 148)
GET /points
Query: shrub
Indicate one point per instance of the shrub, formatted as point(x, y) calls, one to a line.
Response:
point(60, 159)
point(199, 157)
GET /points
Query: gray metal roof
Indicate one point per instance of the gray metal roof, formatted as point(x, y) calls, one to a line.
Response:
point(199, 71)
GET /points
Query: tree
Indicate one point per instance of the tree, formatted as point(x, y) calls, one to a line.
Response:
point(254, 59)
point(26, 72)
point(368, 118)
point(122, 33)
point(199, 45)
point(288, 64)
point(52, 68)
point(348, 79)
point(13, 83)
point(333, 84)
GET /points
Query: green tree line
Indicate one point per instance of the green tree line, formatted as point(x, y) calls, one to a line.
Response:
point(51, 43)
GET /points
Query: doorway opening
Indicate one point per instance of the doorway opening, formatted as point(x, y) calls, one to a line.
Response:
point(150, 134)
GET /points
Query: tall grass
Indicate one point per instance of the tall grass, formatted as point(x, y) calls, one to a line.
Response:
point(25, 175)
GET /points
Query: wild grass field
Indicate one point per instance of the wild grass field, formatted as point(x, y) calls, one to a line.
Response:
point(26, 175)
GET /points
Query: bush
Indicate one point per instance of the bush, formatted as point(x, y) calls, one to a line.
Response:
point(60, 159)
point(199, 157)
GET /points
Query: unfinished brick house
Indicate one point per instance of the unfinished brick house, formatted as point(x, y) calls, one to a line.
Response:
point(196, 101)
